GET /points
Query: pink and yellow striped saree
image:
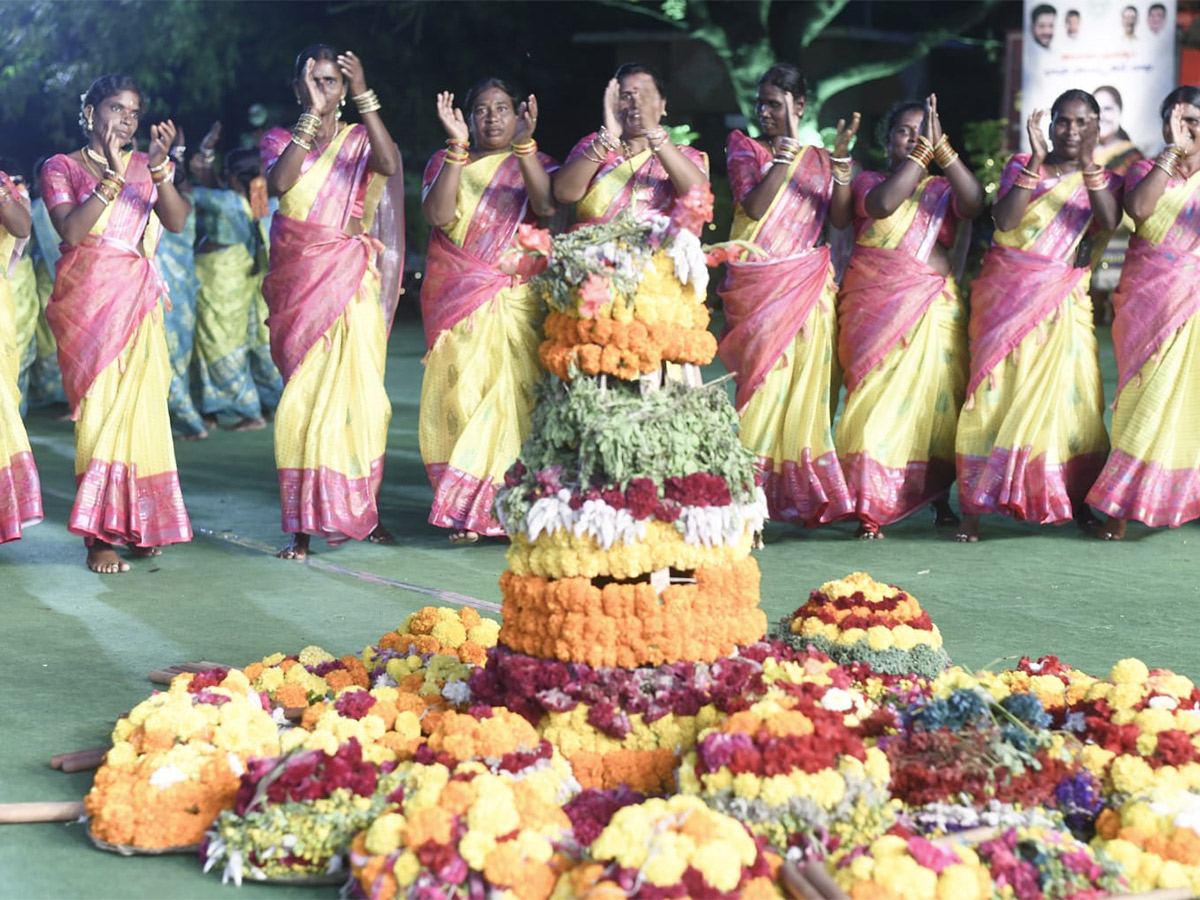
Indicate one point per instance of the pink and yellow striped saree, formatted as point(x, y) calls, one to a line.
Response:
point(780, 336)
point(1031, 436)
point(482, 328)
point(107, 320)
point(331, 304)
point(903, 345)
point(639, 184)
point(1153, 472)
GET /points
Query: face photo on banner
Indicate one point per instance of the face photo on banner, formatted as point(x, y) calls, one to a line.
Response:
point(1120, 51)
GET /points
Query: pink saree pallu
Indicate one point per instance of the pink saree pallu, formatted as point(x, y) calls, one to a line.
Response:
point(1031, 436)
point(116, 373)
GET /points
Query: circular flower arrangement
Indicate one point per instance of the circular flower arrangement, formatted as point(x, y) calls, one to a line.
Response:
point(857, 619)
point(176, 760)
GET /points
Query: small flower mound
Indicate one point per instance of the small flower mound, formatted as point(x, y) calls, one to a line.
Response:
point(431, 631)
point(794, 773)
point(915, 869)
point(387, 724)
point(676, 847)
point(295, 815)
point(176, 759)
point(857, 619)
point(294, 682)
point(1047, 864)
point(467, 831)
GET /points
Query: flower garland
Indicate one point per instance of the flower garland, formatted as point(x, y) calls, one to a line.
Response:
point(676, 847)
point(857, 619)
point(631, 624)
point(176, 759)
point(795, 774)
point(295, 816)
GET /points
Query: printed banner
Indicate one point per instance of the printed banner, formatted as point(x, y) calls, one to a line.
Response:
point(1121, 52)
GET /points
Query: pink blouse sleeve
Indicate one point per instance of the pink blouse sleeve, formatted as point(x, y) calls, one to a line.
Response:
point(863, 185)
point(1137, 172)
point(56, 182)
point(273, 144)
point(744, 162)
point(431, 171)
point(1010, 173)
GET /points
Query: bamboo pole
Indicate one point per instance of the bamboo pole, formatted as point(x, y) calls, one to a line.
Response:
point(41, 811)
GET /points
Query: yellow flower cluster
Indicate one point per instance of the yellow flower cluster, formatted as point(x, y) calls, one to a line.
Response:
point(888, 870)
point(513, 823)
point(1150, 839)
point(660, 298)
point(563, 554)
point(874, 592)
point(427, 677)
point(1050, 689)
point(391, 730)
point(175, 764)
point(877, 637)
point(460, 633)
point(661, 839)
point(571, 733)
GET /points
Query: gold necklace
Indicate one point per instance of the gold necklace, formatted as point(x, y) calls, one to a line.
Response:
point(96, 157)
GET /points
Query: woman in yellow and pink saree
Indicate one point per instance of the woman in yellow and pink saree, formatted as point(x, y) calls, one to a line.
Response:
point(332, 289)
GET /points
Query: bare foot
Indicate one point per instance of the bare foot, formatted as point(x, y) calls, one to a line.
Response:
point(1085, 520)
point(756, 543)
point(139, 552)
point(943, 515)
point(210, 422)
point(103, 559)
point(462, 538)
point(868, 531)
point(192, 437)
point(249, 424)
point(968, 531)
point(1113, 530)
point(296, 549)
point(381, 535)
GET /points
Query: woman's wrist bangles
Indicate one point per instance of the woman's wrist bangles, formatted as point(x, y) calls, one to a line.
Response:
point(1168, 160)
point(943, 154)
point(526, 148)
point(1027, 179)
point(843, 166)
point(305, 130)
point(457, 152)
point(366, 102)
point(1095, 179)
point(922, 154)
point(656, 139)
point(164, 171)
point(786, 149)
point(607, 143)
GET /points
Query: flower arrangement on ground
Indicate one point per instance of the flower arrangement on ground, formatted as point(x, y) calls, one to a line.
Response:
point(859, 620)
point(176, 760)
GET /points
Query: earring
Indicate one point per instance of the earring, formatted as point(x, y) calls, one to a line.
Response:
point(89, 124)
point(341, 104)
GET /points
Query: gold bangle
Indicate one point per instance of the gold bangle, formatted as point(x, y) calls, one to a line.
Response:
point(366, 102)
point(1171, 171)
point(300, 142)
point(921, 156)
point(1025, 182)
point(99, 195)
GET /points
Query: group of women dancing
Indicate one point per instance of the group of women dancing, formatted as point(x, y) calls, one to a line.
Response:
point(1005, 400)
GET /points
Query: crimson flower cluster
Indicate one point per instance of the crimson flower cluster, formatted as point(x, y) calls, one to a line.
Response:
point(592, 809)
point(534, 687)
point(311, 775)
point(517, 761)
point(354, 704)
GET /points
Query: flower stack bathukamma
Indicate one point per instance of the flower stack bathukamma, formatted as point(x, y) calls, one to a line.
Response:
point(631, 510)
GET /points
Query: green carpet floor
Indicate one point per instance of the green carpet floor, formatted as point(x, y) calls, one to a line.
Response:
point(77, 646)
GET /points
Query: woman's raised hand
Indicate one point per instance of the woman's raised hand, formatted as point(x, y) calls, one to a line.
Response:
point(451, 118)
point(162, 136)
point(209, 141)
point(612, 108)
point(1037, 134)
point(1180, 136)
point(352, 71)
point(527, 114)
point(845, 134)
point(791, 124)
point(932, 126)
point(113, 142)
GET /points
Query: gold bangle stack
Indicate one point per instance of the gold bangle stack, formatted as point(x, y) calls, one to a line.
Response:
point(1027, 179)
point(1168, 160)
point(944, 155)
point(164, 173)
point(1095, 179)
point(843, 167)
point(785, 152)
point(922, 154)
point(106, 189)
point(366, 102)
point(528, 148)
point(456, 152)
point(305, 130)
point(606, 141)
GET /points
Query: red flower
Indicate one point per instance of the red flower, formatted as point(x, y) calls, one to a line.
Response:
point(533, 239)
point(595, 293)
point(726, 253)
point(521, 264)
point(693, 209)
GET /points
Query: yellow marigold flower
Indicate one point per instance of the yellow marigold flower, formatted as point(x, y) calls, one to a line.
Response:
point(1148, 868)
point(1124, 697)
point(1173, 875)
point(1131, 774)
point(406, 868)
point(1178, 686)
point(1139, 815)
point(384, 834)
point(475, 846)
point(449, 632)
point(720, 868)
point(878, 768)
point(1146, 744)
point(1127, 854)
point(720, 780)
point(887, 846)
point(746, 785)
point(486, 633)
point(1153, 721)
point(958, 882)
point(1190, 775)
point(494, 811)
point(1050, 690)
point(848, 637)
point(314, 655)
point(879, 638)
point(273, 660)
point(1129, 671)
point(904, 637)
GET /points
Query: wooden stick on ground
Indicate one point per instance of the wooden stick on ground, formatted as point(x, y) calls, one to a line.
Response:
point(813, 882)
point(46, 811)
point(164, 676)
point(80, 760)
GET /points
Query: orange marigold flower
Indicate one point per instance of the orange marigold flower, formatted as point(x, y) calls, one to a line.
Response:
point(429, 824)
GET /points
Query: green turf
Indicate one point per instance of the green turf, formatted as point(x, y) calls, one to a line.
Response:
point(78, 645)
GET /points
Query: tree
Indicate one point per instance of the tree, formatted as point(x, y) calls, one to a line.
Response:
point(747, 37)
